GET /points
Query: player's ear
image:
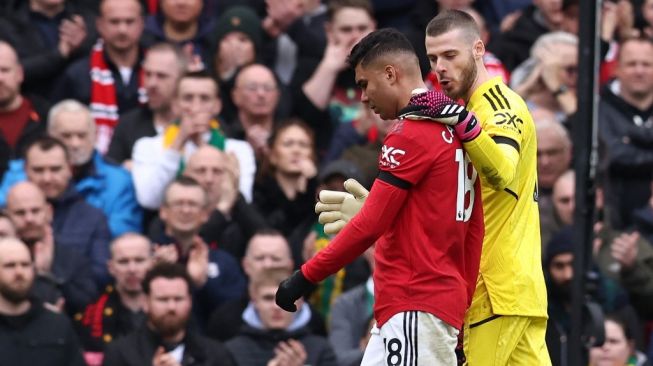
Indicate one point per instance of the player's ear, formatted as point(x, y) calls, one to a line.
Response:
point(390, 74)
point(478, 49)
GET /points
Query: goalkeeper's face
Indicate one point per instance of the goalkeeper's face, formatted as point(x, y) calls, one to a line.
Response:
point(453, 59)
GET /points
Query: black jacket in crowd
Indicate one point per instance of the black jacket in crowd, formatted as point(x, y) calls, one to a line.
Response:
point(38, 337)
point(256, 346)
point(138, 348)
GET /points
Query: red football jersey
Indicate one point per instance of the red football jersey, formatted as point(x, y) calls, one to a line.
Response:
point(426, 209)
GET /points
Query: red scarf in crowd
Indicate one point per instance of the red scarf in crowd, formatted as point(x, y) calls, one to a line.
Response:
point(104, 101)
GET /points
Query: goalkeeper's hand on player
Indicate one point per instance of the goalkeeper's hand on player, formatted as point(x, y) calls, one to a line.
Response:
point(291, 290)
point(337, 208)
point(436, 106)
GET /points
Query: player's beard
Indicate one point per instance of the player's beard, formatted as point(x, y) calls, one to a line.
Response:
point(467, 78)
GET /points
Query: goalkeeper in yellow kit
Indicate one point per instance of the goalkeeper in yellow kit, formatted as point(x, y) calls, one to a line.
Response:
point(506, 323)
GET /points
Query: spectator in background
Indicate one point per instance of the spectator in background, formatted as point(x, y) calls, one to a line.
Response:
point(75, 223)
point(619, 346)
point(512, 45)
point(63, 276)
point(21, 118)
point(29, 333)
point(110, 79)
point(272, 336)
point(267, 250)
point(350, 317)
point(49, 35)
point(184, 24)
point(215, 273)
point(285, 189)
point(238, 42)
point(626, 131)
point(256, 97)
point(562, 199)
point(102, 184)
point(7, 228)
point(553, 159)
point(119, 310)
point(558, 272)
point(326, 93)
point(163, 66)
point(157, 160)
point(297, 26)
point(547, 80)
point(166, 339)
point(232, 220)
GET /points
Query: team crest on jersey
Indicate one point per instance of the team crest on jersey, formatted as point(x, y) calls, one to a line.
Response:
point(390, 156)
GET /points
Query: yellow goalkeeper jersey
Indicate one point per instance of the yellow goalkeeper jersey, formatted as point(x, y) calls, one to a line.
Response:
point(511, 264)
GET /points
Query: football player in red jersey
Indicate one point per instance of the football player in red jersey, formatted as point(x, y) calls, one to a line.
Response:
point(424, 212)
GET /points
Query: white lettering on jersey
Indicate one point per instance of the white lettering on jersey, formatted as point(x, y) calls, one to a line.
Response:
point(448, 137)
point(389, 156)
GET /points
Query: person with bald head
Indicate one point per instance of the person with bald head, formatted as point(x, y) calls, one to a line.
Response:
point(30, 334)
point(256, 96)
point(63, 276)
point(233, 220)
point(121, 304)
point(110, 78)
point(21, 118)
point(267, 250)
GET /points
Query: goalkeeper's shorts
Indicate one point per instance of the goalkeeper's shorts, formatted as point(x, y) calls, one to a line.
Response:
point(498, 340)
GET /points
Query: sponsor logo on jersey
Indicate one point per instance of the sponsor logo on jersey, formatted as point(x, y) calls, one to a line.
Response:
point(390, 156)
point(509, 121)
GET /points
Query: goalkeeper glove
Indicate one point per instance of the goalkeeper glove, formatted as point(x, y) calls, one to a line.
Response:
point(436, 106)
point(291, 290)
point(337, 208)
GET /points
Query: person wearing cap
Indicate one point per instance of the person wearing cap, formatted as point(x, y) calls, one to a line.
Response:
point(237, 43)
point(559, 274)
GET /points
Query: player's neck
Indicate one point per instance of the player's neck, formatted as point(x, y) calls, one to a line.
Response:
point(481, 77)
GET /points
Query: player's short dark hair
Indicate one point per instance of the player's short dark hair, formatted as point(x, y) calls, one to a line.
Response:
point(336, 5)
point(47, 143)
point(448, 20)
point(169, 271)
point(377, 44)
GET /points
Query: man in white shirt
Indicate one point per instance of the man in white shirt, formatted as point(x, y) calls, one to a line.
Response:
point(157, 160)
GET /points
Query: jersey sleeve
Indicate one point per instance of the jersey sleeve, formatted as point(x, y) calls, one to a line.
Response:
point(376, 215)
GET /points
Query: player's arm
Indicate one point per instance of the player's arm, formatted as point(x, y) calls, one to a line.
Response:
point(494, 157)
point(379, 211)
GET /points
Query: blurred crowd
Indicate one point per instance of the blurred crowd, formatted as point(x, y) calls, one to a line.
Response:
point(160, 161)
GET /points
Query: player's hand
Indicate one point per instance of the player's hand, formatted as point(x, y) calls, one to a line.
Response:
point(436, 106)
point(337, 208)
point(291, 290)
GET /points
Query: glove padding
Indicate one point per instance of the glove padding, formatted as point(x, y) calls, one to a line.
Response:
point(291, 290)
point(337, 208)
point(436, 106)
